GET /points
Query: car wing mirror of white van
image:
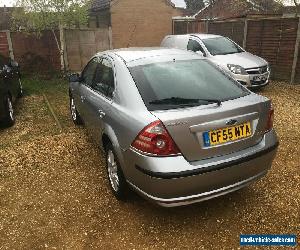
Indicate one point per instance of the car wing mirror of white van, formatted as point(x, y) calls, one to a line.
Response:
point(199, 53)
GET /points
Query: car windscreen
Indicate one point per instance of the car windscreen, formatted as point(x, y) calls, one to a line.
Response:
point(186, 83)
point(221, 46)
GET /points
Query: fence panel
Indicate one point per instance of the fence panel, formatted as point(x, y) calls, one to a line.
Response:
point(232, 29)
point(274, 40)
point(4, 50)
point(82, 44)
point(191, 26)
point(36, 53)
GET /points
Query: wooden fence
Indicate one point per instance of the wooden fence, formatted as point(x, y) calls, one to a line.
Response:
point(40, 53)
point(4, 47)
point(275, 39)
point(82, 44)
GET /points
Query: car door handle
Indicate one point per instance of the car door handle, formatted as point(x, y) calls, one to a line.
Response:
point(101, 113)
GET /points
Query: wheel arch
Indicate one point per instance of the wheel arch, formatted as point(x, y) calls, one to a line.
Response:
point(109, 136)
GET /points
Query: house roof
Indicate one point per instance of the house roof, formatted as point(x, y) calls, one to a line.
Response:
point(254, 5)
point(105, 4)
point(100, 4)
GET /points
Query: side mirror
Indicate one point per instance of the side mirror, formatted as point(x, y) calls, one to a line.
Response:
point(199, 53)
point(75, 78)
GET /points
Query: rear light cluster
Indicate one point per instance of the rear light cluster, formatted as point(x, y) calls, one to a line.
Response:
point(270, 119)
point(154, 139)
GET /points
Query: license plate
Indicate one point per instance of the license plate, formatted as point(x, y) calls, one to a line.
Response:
point(259, 78)
point(223, 135)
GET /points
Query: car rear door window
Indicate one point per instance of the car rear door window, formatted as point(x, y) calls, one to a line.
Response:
point(89, 72)
point(104, 78)
point(195, 46)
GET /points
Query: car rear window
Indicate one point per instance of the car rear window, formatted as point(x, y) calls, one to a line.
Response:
point(177, 84)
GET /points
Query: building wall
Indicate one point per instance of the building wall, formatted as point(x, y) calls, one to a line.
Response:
point(142, 22)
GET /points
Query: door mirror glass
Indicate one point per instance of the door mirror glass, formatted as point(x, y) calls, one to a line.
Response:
point(199, 53)
point(74, 78)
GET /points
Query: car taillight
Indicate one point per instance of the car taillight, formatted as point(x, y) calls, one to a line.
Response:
point(270, 119)
point(154, 139)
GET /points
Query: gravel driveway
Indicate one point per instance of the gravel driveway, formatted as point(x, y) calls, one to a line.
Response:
point(54, 193)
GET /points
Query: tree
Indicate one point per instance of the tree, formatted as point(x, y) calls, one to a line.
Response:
point(194, 5)
point(39, 15)
point(296, 4)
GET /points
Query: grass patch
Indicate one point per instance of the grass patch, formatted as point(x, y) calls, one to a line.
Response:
point(36, 86)
point(56, 90)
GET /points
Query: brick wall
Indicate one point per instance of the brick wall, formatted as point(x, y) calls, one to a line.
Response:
point(142, 22)
point(36, 54)
point(3, 44)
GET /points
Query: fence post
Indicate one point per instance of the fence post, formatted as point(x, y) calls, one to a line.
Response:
point(245, 33)
point(296, 51)
point(206, 26)
point(173, 27)
point(64, 48)
point(10, 46)
point(110, 37)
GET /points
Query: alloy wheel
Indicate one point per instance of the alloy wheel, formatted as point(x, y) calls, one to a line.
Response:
point(112, 168)
point(73, 110)
point(10, 109)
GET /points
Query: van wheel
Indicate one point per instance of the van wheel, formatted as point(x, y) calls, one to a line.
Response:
point(74, 113)
point(117, 181)
point(9, 119)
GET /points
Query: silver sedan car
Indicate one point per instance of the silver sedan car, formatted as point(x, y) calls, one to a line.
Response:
point(250, 70)
point(173, 127)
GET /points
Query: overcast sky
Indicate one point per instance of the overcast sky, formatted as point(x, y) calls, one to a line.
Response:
point(179, 3)
point(6, 2)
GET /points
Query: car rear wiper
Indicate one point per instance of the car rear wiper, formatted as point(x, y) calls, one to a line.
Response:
point(180, 100)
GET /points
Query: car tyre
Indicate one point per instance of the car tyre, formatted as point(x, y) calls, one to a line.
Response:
point(9, 119)
point(74, 113)
point(116, 179)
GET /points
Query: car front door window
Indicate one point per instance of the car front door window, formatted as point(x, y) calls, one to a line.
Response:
point(89, 72)
point(195, 46)
point(104, 78)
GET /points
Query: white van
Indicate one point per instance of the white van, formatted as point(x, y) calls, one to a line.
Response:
point(248, 69)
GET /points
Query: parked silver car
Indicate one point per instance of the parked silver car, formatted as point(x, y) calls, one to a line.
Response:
point(248, 69)
point(172, 125)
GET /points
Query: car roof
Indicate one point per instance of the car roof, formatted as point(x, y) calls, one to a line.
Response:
point(199, 35)
point(205, 36)
point(133, 54)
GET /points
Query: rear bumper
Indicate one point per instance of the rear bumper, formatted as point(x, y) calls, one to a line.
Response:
point(197, 181)
point(187, 200)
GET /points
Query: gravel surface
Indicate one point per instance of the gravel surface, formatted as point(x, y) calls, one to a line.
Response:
point(54, 193)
